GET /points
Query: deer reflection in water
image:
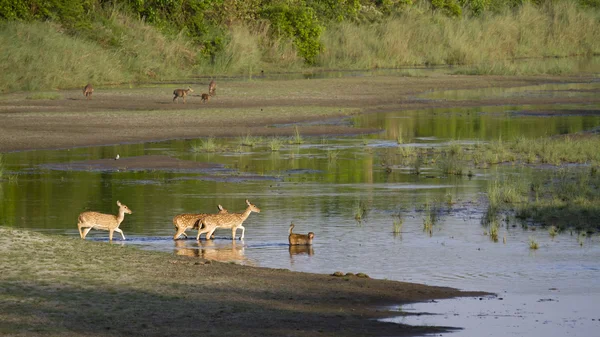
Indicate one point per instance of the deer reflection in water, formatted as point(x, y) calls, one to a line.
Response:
point(208, 250)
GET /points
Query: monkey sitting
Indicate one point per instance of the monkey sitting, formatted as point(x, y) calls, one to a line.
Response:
point(300, 239)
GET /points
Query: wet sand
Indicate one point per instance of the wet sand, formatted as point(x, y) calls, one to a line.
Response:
point(259, 108)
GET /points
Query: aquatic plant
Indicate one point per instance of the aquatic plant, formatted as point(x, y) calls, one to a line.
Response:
point(407, 151)
point(533, 244)
point(275, 143)
point(494, 231)
point(553, 231)
point(332, 156)
point(206, 145)
point(297, 139)
point(249, 140)
point(360, 210)
point(398, 222)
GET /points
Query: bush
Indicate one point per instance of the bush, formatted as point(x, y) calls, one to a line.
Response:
point(298, 23)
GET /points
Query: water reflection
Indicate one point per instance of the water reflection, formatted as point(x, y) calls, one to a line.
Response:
point(211, 250)
point(301, 249)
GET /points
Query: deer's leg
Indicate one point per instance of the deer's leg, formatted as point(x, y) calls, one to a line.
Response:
point(79, 224)
point(179, 232)
point(210, 234)
point(243, 231)
point(110, 234)
point(86, 231)
point(121, 232)
point(200, 231)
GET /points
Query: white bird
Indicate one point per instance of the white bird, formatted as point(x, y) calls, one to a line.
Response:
point(117, 157)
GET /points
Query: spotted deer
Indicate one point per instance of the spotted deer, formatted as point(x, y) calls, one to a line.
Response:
point(88, 90)
point(231, 220)
point(212, 88)
point(183, 222)
point(181, 93)
point(100, 221)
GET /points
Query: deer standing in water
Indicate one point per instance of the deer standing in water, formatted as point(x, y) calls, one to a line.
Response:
point(183, 222)
point(100, 221)
point(88, 90)
point(230, 220)
point(181, 93)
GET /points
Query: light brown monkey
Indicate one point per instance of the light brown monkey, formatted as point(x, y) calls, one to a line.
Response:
point(300, 239)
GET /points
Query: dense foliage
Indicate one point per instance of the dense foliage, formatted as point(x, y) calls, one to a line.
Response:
point(206, 21)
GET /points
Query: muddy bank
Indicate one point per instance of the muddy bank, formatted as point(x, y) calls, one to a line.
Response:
point(66, 286)
point(116, 116)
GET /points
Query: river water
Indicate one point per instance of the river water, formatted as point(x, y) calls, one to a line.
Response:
point(321, 184)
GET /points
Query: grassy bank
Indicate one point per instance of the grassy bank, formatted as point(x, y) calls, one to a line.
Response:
point(115, 47)
point(65, 286)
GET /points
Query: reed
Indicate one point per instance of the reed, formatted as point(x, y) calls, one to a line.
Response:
point(206, 145)
point(297, 138)
point(533, 244)
point(275, 144)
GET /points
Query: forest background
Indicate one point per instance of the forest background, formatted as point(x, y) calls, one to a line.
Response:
point(56, 44)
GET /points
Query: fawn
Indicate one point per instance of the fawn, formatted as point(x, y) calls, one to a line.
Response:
point(101, 221)
point(88, 90)
point(181, 93)
point(212, 88)
point(231, 220)
point(205, 98)
point(183, 222)
point(300, 239)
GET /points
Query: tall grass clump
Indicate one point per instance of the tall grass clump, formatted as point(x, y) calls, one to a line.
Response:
point(297, 138)
point(418, 37)
point(206, 145)
point(38, 56)
point(275, 143)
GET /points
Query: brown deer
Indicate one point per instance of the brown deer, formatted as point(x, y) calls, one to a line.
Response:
point(231, 220)
point(300, 239)
point(88, 90)
point(205, 98)
point(181, 93)
point(183, 222)
point(212, 88)
point(101, 221)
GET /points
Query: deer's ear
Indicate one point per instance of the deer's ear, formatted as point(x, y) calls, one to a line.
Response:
point(118, 203)
point(247, 202)
point(220, 207)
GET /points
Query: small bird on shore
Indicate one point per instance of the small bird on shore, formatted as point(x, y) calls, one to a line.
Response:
point(117, 157)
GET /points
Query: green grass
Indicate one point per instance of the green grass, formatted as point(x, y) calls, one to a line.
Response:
point(275, 143)
point(297, 138)
point(206, 145)
point(118, 48)
point(249, 140)
point(489, 41)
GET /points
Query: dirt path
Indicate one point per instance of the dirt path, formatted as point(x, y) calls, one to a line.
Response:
point(141, 114)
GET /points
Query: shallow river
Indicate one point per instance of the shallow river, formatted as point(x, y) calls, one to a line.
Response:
point(320, 184)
